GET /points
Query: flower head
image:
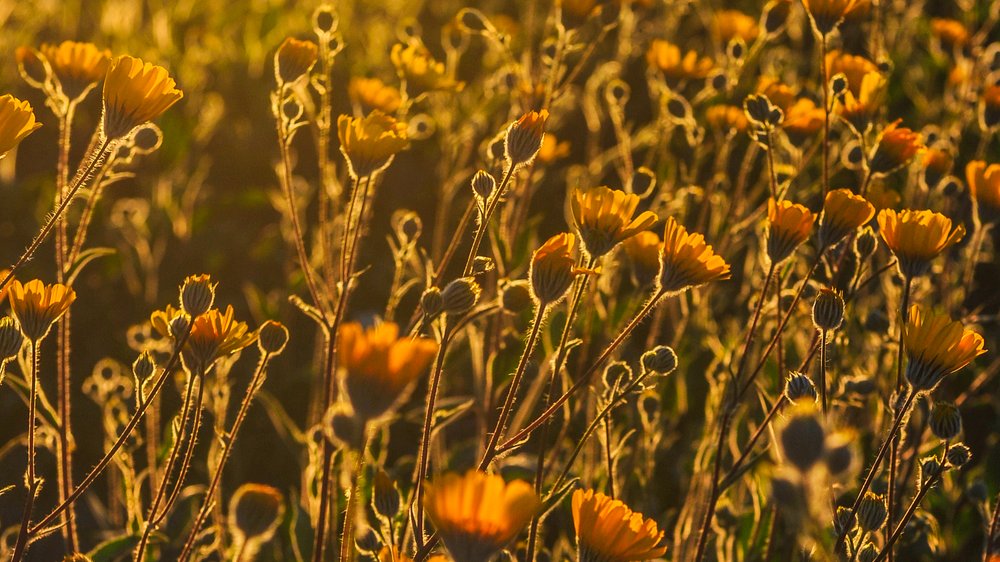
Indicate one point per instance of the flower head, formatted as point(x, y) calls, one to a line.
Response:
point(895, 147)
point(984, 185)
point(369, 143)
point(608, 531)
point(372, 93)
point(726, 118)
point(643, 250)
point(420, 72)
point(789, 225)
point(802, 120)
point(604, 218)
point(730, 24)
point(478, 514)
point(826, 15)
point(37, 306)
point(77, 67)
point(917, 237)
point(135, 92)
point(294, 59)
point(17, 120)
point(380, 368)
point(843, 212)
point(214, 335)
point(675, 65)
point(687, 261)
point(524, 137)
point(553, 267)
point(935, 347)
point(853, 67)
point(859, 110)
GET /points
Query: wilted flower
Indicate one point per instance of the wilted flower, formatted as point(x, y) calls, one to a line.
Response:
point(17, 120)
point(77, 67)
point(214, 335)
point(524, 137)
point(826, 15)
point(604, 218)
point(789, 225)
point(420, 72)
point(135, 92)
point(369, 143)
point(668, 59)
point(478, 514)
point(608, 531)
point(935, 347)
point(380, 367)
point(917, 237)
point(294, 59)
point(843, 212)
point(37, 306)
point(984, 185)
point(643, 251)
point(894, 148)
point(553, 267)
point(255, 512)
point(686, 260)
point(372, 93)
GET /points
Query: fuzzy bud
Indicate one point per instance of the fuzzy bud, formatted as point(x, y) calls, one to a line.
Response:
point(483, 185)
point(197, 294)
point(828, 310)
point(144, 366)
point(865, 243)
point(459, 296)
point(516, 296)
point(959, 455)
point(661, 359)
point(272, 337)
point(385, 496)
point(799, 386)
point(872, 512)
point(431, 302)
point(617, 373)
point(945, 421)
point(11, 339)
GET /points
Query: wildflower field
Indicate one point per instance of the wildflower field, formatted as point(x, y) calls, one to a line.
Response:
point(500, 280)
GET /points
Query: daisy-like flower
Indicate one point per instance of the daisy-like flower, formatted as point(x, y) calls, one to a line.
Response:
point(608, 531)
point(478, 514)
point(135, 92)
point(369, 143)
point(789, 225)
point(984, 185)
point(17, 120)
point(37, 306)
point(372, 93)
point(803, 119)
point(215, 335)
point(294, 59)
point(730, 24)
point(553, 267)
point(826, 15)
point(675, 65)
point(604, 218)
point(843, 212)
point(859, 110)
point(687, 261)
point(524, 137)
point(77, 67)
point(726, 118)
point(643, 250)
point(935, 347)
point(419, 71)
point(894, 148)
point(380, 367)
point(853, 67)
point(917, 237)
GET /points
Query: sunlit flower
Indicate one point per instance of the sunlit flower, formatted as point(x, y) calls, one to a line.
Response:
point(380, 367)
point(726, 118)
point(729, 24)
point(294, 59)
point(843, 212)
point(895, 147)
point(937, 163)
point(215, 335)
point(135, 92)
point(917, 237)
point(372, 93)
point(369, 143)
point(780, 94)
point(668, 59)
point(802, 120)
point(687, 261)
point(935, 347)
point(859, 110)
point(643, 250)
point(604, 218)
point(826, 15)
point(76, 66)
point(789, 225)
point(478, 514)
point(17, 120)
point(553, 267)
point(608, 531)
point(950, 32)
point(420, 72)
point(524, 137)
point(984, 185)
point(37, 306)
point(853, 67)
point(552, 149)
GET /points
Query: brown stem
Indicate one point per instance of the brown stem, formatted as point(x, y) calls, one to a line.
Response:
point(484, 223)
point(20, 547)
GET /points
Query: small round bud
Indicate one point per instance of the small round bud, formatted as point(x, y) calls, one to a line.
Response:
point(459, 296)
point(617, 373)
point(959, 455)
point(483, 185)
point(368, 542)
point(872, 512)
point(516, 296)
point(197, 294)
point(929, 466)
point(802, 439)
point(843, 520)
point(431, 302)
point(945, 421)
point(179, 325)
point(737, 48)
point(11, 339)
point(143, 366)
point(865, 243)
point(799, 386)
point(868, 552)
point(661, 359)
point(719, 81)
point(828, 310)
point(385, 496)
point(272, 337)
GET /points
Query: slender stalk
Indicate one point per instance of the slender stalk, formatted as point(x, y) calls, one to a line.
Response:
point(485, 220)
point(894, 450)
point(322, 525)
point(347, 539)
point(826, 114)
point(748, 448)
point(822, 370)
point(20, 547)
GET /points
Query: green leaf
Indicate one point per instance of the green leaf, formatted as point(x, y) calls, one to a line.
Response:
point(112, 549)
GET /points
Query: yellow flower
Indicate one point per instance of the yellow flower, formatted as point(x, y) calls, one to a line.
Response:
point(372, 93)
point(524, 137)
point(780, 94)
point(214, 335)
point(936, 347)
point(843, 212)
point(984, 185)
point(802, 120)
point(553, 267)
point(294, 59)
point(667, 58)
point(826, 15)
point(135, 92)
point(604, 218)
point(730, 24)
point(17, 120)
point(419, 71)
point(853, 67)
point(37, 306)
point(643, 250)
point(608, 531)
point(76, 66)
point(917, 237)
point(894, 148)
point(687, 261)
point(478, 514)
point(859, 110)
point(380, 368)
point(552, 149)
point(789, 225)
point(950, 32)
point(369, 143)
point(726, 118)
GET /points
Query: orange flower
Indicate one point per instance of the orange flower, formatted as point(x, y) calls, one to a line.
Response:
point(369, 143)
point(37, 306)
point(802, 120)
point(524, 137)
point(917, 237)
point(936, 347)
point(843, 212)
point(214, 335)
point(687, 261)
point(730, 24)
point(895, 147)
point(789, 225)
point(372, 93)
point(135, 92)
point(950, 32)
point(17, 120)
point(859, 110)
point(604, 218)
point(726, 118)
point(608, 531)
point(553, 267)
point(420, 72)
point(853, 67)
point(668, 59)
point(937, 164)
point(643, 251)
point(984, 185)
point(826, 15)
point(77, 67)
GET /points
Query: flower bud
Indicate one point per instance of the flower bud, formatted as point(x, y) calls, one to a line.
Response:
point(515, 296)
point(959, 455)
point(828, 310)
point(459, 296)
point(553, 267)
point(872, 512)
point(868, 552)
point(197, 294)
point(272, 337)
point(843, 520)
point(945, 421)
point(482, 264)
point(385, 496)
point(865, 243)
point(483, 185)
point(799, 386)
point(11, 339)
point(617, 373)
point(929, 466)
point(179, 325)
point(368, 542)
point(802, 439)
point(661, 359)
point(255, 512)
point(431, 302)
point(143, 366)
point(524, 137)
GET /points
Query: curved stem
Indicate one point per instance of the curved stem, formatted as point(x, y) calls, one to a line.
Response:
point(20, 547)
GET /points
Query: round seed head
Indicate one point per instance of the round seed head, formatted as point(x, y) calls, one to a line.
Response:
point(959, 455)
